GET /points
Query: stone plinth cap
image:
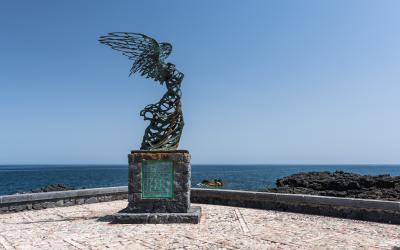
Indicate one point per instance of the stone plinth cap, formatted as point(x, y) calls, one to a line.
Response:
point(184, 151)
point(182, 155)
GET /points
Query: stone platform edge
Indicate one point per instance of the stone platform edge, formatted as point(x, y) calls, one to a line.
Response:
point(20, 202)
point(192, 216)
point(350, 208)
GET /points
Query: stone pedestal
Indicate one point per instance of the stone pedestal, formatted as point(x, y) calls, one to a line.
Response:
point(159, 188)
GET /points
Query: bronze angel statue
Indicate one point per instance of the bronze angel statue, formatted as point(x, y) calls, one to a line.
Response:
point(165, 116)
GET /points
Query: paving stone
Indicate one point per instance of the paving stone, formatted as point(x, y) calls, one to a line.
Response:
point(59, 203)
point(89, 226)
point(80, 201)
point(91, 200)
point(4, 209)
point(17, 208)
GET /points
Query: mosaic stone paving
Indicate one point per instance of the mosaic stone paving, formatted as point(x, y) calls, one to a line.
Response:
point(88, 227)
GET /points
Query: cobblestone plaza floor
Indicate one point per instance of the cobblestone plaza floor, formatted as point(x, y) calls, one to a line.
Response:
point(221, 227)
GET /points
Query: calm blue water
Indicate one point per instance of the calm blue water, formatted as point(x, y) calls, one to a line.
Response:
point(23, 178)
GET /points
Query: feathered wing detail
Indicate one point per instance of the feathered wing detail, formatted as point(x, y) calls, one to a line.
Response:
point(143, 50)
point(165, 116)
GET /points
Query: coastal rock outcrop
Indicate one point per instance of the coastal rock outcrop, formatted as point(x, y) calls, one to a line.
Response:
point(340, 184)
point(212, 183)
point(52, 188)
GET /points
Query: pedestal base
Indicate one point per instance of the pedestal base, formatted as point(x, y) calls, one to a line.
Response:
point(159, 181)
point(192, 216)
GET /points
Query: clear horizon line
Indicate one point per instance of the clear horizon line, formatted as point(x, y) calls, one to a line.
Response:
point(205, 164)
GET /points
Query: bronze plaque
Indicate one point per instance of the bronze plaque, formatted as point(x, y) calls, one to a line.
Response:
point(157, 179)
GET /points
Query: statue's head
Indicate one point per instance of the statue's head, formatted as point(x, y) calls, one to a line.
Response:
point(165, 50)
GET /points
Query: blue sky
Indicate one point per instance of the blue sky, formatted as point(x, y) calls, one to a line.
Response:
point(265, 81)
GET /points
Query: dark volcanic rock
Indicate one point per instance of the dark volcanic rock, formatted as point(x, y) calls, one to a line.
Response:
point(213, 183)
point(340, 184)
point(52, 188)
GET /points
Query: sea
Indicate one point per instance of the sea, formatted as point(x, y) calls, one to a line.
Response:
point(24, 178)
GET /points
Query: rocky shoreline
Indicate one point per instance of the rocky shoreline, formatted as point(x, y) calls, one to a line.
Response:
point(340, 184)
point(49, 188)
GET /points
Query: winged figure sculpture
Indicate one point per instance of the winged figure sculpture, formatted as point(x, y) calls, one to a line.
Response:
point(148, 56)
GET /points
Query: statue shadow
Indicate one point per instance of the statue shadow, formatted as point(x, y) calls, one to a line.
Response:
point(106, 218)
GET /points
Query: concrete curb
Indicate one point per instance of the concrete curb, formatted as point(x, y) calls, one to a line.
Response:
point(233, 195)
point(360, 209)
point(20, 202)
point(61, 194)
point(350, 208)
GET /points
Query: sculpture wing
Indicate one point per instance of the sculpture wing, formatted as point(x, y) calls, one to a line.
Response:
point(143, 50)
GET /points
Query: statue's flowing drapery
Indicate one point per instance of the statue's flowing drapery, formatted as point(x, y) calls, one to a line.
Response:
point(165, 116)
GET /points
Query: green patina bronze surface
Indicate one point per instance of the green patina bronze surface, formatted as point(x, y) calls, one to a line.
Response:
point(165, 116)
point(157, 179)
